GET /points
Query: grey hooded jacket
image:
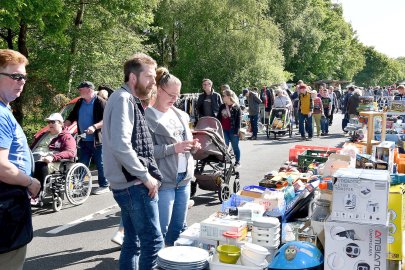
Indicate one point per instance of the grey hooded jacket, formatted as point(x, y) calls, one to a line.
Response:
point(165, 155)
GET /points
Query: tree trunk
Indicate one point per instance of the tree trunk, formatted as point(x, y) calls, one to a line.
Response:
point(8, 38)
point(73, 46)
point(22, 48)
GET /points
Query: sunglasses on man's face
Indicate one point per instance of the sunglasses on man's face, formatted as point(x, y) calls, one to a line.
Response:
point(15, 76)
point(52, 122)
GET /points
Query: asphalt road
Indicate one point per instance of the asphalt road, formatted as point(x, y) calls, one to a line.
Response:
point(78, 237)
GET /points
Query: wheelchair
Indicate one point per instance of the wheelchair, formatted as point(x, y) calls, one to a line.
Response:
point(72, 180)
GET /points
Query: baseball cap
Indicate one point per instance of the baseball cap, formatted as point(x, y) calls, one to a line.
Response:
point(86, 84)
point(55, 117)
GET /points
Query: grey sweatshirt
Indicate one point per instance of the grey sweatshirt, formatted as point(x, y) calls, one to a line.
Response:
point(165, 155)
point(118, 122)
point(253, 101)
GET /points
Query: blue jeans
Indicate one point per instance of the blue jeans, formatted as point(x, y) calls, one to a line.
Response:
point(140, 217)
point(234, 139)
point(325, 124)
point(173, 206)
point(87, 151)
point(304, 119)
point(254, 124)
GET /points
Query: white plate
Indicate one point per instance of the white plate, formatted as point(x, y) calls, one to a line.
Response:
point(183, 254)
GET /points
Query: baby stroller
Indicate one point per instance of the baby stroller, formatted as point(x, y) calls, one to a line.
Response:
point(279, 123)
point(215, 165)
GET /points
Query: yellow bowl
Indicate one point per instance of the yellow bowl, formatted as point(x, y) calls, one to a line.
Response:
point(228, 253)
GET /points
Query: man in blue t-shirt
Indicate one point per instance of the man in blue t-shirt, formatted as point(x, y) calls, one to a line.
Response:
point(16, 183)
point(88, 113)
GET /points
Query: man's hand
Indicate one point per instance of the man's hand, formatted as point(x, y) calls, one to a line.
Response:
point(34, 188)
point(153, 185)
point(309, 114)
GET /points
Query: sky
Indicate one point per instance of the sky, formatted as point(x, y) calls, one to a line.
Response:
point(378, 23)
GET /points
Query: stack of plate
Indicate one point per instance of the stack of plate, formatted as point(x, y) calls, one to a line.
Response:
point(182, 258)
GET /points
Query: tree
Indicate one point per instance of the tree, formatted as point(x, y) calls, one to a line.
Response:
point(227, 41)
point(317, 42)
point(70, 41)
point(379, 69)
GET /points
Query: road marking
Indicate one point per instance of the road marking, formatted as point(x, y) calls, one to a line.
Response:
point(83, 219)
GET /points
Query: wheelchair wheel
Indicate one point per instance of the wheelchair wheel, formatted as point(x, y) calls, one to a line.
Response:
point(57, 204)
point(78, 184)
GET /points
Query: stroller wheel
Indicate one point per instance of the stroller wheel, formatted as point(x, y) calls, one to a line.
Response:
point(236, 186)
point(193, 188)
point(224, 192)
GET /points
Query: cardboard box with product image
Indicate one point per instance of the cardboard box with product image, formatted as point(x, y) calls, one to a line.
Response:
point(355, 246)
point(360, 196)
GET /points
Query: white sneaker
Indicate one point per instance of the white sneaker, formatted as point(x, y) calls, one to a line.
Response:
point(118, 238)
point(190, 204)
point(100, 190)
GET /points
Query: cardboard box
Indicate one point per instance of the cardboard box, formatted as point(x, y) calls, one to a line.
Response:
point(213, 227)
point(360, 196)
point(396, 215)
point(355, 246)
point(385, 152)
point(362, 161)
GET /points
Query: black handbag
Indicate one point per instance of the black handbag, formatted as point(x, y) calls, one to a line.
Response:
point(15, 218)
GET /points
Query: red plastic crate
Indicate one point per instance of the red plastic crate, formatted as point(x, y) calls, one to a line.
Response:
point(299, 149)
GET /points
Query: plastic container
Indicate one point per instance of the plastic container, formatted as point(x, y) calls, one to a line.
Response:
point(268, 237)
point(299, 149)
point(255, 252)
point(266, 222)
point(228, 253)
point(247, 261)
point(215, 264)
point(266, 243)
point(232, 237)
point(269, 231)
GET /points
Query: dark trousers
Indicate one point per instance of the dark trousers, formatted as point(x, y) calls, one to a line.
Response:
point(307, 121)
point(254, 124)
point(331, 115)
point(41, 171)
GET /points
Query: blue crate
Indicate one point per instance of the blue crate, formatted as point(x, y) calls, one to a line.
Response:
point(234, 201)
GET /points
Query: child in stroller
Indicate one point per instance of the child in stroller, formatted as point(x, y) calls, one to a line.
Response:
point(215, 164)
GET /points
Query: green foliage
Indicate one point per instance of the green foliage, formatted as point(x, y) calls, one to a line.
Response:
point(238, 42)
point(227, 41)
point(379, 69)
point(63, 50)
point(317, 42)
point(401, 62)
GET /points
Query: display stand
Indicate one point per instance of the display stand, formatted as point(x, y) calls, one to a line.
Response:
point(370, 129)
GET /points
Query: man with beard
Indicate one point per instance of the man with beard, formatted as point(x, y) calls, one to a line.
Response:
point(130, 165)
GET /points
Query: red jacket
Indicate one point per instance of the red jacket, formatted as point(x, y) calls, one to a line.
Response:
point(64, 144)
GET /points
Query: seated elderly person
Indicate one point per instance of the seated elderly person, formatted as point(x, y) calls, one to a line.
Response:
point(57, 144)
point(281, 101)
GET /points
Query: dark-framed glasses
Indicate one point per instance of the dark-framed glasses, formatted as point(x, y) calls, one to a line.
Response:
point(52, 122)
point(15, 76)
point(170, 95)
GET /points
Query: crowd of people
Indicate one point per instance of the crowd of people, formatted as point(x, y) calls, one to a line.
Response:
point(141, 145)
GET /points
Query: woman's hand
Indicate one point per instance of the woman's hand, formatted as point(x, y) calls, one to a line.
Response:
point(196, 146)
point(184, 146)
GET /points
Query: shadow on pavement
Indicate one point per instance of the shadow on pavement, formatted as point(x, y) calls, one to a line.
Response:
point(110, 221)
point(73, 257)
